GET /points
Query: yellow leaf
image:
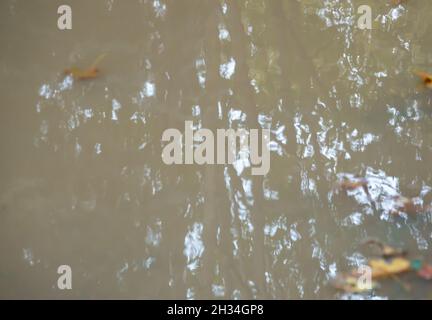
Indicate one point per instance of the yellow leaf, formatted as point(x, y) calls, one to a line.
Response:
point(384, 268)
point(388, 251)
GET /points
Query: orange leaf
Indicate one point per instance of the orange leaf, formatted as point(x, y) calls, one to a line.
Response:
point(346, 184)
point(426, 78)
point(80, 74)
point(85, 74)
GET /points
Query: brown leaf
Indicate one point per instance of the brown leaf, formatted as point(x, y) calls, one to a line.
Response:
point(426, 78)
point(408, 205)
point(346, 184)
point(385, 250)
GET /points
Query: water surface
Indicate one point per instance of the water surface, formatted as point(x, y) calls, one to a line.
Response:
point(82, 182)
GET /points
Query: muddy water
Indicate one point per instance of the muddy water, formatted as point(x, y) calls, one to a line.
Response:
point(82, 182)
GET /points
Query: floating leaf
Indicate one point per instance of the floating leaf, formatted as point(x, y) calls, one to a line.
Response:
point(80, 74)
point(426, 78)
point(382, 268)
point(385, 250)
point(345, 184)
point(425, 272)
point(407, 205)
point(85, 74)
point(388, 251)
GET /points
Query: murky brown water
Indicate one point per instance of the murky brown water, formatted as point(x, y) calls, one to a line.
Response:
point(82, 182)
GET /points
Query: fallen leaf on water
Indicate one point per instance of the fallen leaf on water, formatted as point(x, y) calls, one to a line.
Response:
point(80, 74)
point(345, 184)
point(426, 78)
point(408, 205)
point(382, 268)
point(425, 272)
point(385, 250)
point(85, 74)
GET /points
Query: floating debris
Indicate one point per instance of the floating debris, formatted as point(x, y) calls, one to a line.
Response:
point(345, 184)
point(382, 268)
point(426, 78)
point(410, 206)
point(348, 183)
point(390, 266)
point(80, 74)
point(86, 74)
point(425, 272)
point(385, 250)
